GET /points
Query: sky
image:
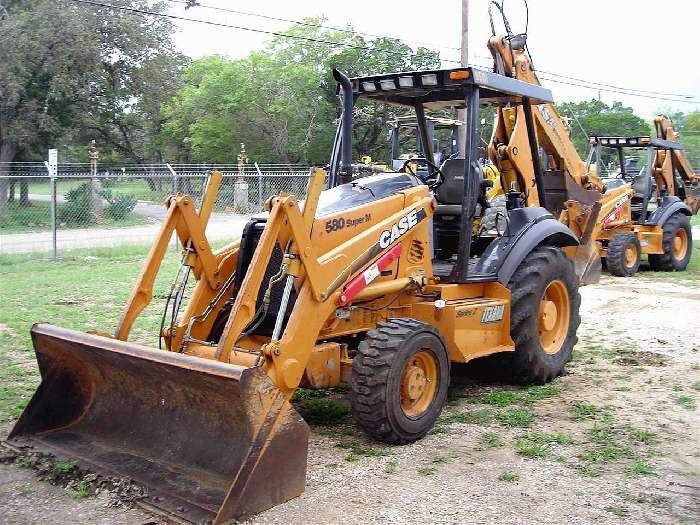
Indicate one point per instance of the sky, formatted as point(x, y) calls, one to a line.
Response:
point(630, 44)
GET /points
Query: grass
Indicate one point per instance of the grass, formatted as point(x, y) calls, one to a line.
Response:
point(426, 471)
point(475, 417)
point(580, 411)
point(82, 492)
point(696, 385)
point(488, 440)
point(641, 436)
point(617, 511)
point(85, 290)
point(65, 465)
point(503, 398)
point(640, 468)
point(516, 417)
point(37, 217)
point(390, 467)
point(589, 471)
point(606, 454)
point(324, 411)
point(357, 452)
point(507, 475)
point(686, 402)
point(531, 450)
point(538, 445)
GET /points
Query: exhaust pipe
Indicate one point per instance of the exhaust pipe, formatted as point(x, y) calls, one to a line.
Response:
point(345, 174)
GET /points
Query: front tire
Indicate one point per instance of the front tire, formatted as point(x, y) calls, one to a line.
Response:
point(677, 244)
point(399, 380)
point(624, 254)
point(544, 315)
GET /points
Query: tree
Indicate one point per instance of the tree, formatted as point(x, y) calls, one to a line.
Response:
point(281, 101)
point(83, 71)
point(597, 118)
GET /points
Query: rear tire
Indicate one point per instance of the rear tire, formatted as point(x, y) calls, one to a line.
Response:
point(624, 254)
point(399, 380)
point(544, 315)
point(677, 243)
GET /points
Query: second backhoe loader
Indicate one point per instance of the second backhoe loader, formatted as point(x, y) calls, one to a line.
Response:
point(604, 218)
point(380, 281)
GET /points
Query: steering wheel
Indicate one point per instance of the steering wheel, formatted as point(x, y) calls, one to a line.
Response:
point(431, 183)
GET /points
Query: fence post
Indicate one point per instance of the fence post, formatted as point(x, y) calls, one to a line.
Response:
point(52, 167)
point(174, 174)
point(260, 181)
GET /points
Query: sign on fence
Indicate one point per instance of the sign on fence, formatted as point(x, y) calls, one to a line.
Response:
point(53, 163)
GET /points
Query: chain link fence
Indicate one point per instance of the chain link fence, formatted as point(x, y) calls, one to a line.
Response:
point(124, 204)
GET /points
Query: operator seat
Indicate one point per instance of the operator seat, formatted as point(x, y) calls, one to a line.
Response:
point(643, 186)
point(451, 191)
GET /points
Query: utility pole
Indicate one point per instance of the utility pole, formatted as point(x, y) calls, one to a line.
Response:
point(462, 114)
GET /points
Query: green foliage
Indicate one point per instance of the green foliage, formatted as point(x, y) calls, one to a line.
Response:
point(598, 118)
point(605, 454)
point(686, 402)
point(507, 475)
point(640, 468)
point(120, 205)
point(78, 206)
point(324, 411)
point(82, 492)
point(476, 417)
point(529, 449)
point(83, 72)
point(516, 417)
point(65, 465)
point(281, 101)
point(580, 411)
point(617, 511)
point(489, 440)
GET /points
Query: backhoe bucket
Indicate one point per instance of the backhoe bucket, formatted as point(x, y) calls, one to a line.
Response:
point(209, 441)
point(587, 264)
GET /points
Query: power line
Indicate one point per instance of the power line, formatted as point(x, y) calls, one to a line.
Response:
point(594, 83)
point(308, 24)
point(231, 26)
point(343, 44)
point(619, 91)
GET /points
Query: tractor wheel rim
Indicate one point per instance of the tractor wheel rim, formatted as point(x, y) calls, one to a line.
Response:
point(630, 256)
point(680, 244)
point(555, 310)
point(418, 383)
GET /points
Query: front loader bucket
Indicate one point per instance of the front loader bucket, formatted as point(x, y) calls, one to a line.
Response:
point(208, 440)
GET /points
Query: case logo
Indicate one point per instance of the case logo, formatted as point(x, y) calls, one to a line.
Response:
point(400, 228)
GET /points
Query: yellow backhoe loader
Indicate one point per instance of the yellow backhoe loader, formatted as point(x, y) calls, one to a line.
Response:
point(607, 219)
point(381, 281)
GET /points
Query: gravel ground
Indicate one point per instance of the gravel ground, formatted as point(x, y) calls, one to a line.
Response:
point(615, 440)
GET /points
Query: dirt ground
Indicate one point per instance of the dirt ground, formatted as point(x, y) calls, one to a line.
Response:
point(615, 440)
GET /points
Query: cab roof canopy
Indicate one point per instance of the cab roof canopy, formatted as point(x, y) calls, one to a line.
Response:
point(635, 142)
point(446, 88)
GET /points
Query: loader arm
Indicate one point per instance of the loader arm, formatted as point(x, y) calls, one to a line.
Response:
point(190, 227)
point(319, 279)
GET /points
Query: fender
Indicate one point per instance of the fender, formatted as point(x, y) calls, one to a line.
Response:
point(529, 227)
point(669, 206)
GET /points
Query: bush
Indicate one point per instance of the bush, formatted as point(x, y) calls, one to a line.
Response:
point(120, 205)
point(78, 206)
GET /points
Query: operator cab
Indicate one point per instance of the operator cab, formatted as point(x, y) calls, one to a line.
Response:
point(406, 143)
point(619, 159)
point(461, 251)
